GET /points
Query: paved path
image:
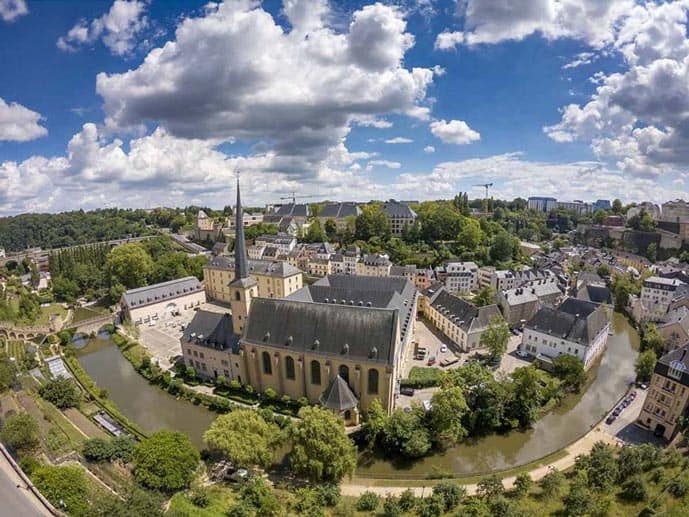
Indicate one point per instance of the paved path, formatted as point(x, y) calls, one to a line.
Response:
point(16, 499)
point(358, 486)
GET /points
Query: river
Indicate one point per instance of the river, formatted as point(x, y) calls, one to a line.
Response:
point(154, 409)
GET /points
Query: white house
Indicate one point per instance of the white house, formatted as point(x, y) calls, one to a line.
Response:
point(161, 301)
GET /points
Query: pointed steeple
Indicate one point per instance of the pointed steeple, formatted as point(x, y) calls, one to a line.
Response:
point(241, 259)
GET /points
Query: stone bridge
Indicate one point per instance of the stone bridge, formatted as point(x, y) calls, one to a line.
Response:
point(94, 324)
point(10, 331)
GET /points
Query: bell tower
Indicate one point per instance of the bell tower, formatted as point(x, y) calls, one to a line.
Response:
point(243, 288)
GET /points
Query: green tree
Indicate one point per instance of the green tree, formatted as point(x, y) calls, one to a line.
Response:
point(552, 483)
point(490, 487)
point(579, 500)
point(331, 229)
point(502, 247)
point(20, 432)
point(374, 422)
point(97, 449)
point(406, 434)
point(602, 467)
point(368, 502)
point(486, 296)
point(652, 340)
point(315, 233)
point(321, 449)
point(8, 373)
point(644, 366)
point(166, 461)
point(450, 493)
point(617, 207)
point(446, 414)
point(129, 265)
point(372, 222)
point(570, 370)
point(471, 236)
point(64, 487)
point(522, 484)
point(603, 270)
point(527, 395)
point(243, 437)
point(635, 489)
point(61, 392)
point(495, 337)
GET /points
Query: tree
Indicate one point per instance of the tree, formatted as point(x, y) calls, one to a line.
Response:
point(495, 337)
point(446, 414)
point(406, 434)
point(372, 222)
point(20, 432)
point(570, 370)
point(551, 483)
point(645, 365)
point(652, 340)
point(374, 422)
point(617, 207)
point(331, 229)
point(315, 233)
point(8, 373)
point(64, 487)
point(97, 449)
point(579, 500)
point(129, 265)
point(471, 235)
point(522, 484)
point(321, 450)
point(61, 392)
point(527, 395)
point(490, 487)
point(368, 502)
point(165, 461)
point(603, 270)
point(243, 437)
point(602, 467)
point(450, 493)
point(635, 489)
point(485, 296)
point(599, 216)
point(502, 247)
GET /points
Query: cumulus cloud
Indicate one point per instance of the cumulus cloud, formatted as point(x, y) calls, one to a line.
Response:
point(429, 149)
point(639, 117)
point(118, 29)
point(493, 21)
point(18, 123)
point(454, 132)
point(383, 163)
point(399, 140)
point(448, 40)
point(10, 10)
point(216, 80)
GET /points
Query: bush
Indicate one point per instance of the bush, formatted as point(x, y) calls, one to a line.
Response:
point(63, 484)
point(634, 489)
point(329, 494)
point(235, 385)
point(407, 500)
point(522, 484)
point(551, 483)
point(303, 401)
point(20, 432)
point(450, 493)
point(490, 486)
point(97, 449)
point(391, 507)
point(678, 487)
point(61, 392)
point(271, 394)
point(199, 497)
point(367, 502)
point(28, 464)
point(422, 377)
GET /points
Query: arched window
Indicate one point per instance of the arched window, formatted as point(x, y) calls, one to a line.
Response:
point(237, 296)
point(289, 368)
point(267, 366)
point(373, 381)
point(315, 372)
point(344, 372)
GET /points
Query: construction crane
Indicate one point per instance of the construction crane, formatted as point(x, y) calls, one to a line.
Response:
point(485, 199)
point(294, 197)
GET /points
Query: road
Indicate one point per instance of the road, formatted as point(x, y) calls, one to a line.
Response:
point(16, 501)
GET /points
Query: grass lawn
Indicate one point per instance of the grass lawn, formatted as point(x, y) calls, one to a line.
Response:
point(84, 313)
point(44, 316)
point(16, 349)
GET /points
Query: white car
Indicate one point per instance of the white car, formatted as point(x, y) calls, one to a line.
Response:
point(443, 349)
point(521, 353)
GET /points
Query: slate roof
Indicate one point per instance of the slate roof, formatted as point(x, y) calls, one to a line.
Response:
point(298, 210)
point(394, 208)
point(338, 396)
point(464, 314)
point(241, 267)
point(171, 290)
point(212, 330)
point(280, 238)
point(339, 210)
point(677, 359)
point(358, 333)
point(575, 320)
point(679, 315)
point(596, 293)
point(274, 268)
point(375, 259)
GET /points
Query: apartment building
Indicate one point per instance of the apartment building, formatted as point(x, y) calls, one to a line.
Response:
point(399, 215)
point(461, 277)
point(668, 394)
point(161, 301)
point(657, 294)
point(374, 264)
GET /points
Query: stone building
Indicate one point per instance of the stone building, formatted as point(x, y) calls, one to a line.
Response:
point(521, 304)
point(668, 394)
point(374, 264)
point(161, 301)
point(399, 215)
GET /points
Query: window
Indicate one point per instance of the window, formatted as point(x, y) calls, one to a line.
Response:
point(344, 372)
point(289, 368)
point(315, 372)
point(237, 296)
point(373, 381)
point(267, 366)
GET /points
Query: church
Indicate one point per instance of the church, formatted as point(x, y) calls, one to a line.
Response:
point(339, 342)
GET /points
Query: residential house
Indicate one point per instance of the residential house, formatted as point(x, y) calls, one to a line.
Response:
point(399, 215)
point(520, 304)
point(374, 264)
point(674, 328)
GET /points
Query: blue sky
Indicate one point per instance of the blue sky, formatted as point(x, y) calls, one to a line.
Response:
point(342, 100)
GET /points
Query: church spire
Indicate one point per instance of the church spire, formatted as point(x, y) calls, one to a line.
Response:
point(241, 260)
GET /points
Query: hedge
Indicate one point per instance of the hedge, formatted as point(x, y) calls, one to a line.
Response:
point(422, 377)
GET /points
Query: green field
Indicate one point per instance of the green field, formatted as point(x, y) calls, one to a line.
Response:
point(44, 316)
point(84, 313)
point(16, 349)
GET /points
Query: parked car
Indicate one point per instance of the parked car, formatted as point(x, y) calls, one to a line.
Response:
point(633, 394)
point(443, 349)
point(522, 353)
point(431, 361)
point(610, 419)
point(407, 390)
point(515, 332)
point(644, 386)
point(239, 475)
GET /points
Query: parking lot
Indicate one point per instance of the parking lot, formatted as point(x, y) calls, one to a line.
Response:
point(624, 428)
point(162, 339)
point(510, 360)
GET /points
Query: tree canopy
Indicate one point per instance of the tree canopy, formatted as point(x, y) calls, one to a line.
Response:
point(166, 461)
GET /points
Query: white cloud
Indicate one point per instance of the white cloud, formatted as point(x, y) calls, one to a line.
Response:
point(18, 123)
point(399, 140)
point(447, 40)
point(383, 163)
point(118, 28)
point(493, 21)
point(583, 58)
point(302, 97)
point(429, 149)
point(10, 10)
point(639, 118)
point(454, 132)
